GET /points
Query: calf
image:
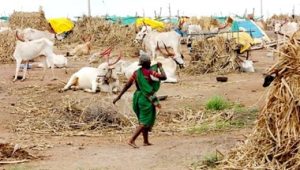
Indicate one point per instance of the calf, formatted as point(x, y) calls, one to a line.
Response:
point(81, 49)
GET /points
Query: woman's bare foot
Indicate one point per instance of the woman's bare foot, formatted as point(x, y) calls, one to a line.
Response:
point(132, 144)
point(147, 144)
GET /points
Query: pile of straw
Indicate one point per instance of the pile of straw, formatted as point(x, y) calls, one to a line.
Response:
point(34, 20)
point(103, 34)
point(275, 141)
point(215, 54)
point(7, 46)
point(65, 115)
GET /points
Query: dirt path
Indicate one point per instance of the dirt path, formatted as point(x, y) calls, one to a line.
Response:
point(168, 152)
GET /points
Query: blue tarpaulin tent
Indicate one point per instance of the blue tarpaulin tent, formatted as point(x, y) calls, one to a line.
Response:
point(249, 26)
point(123, 20)
point(240, 23)
point(5, 18)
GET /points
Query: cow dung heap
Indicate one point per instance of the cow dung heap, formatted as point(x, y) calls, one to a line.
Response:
point(34, 20)
point(7, 46)
point(215, 54)
point(9, 152)
point(275, 141)
point(103, 34)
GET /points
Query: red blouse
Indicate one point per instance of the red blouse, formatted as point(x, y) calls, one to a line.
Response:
point(146, 73)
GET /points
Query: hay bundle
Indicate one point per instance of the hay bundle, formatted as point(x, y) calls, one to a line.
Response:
point(275, 142)
point(67, 115)
point(215, 54)
point(7, 46)
point(103, 34)
point(34, 20)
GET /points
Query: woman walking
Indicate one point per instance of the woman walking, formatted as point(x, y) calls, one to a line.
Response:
point(145, 101)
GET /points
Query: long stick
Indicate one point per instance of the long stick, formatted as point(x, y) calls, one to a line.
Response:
point(13, 162)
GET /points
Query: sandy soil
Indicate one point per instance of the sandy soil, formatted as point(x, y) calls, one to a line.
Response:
point(174, 151)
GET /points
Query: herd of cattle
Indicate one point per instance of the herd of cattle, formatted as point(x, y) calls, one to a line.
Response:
point(35, 45)
point(38, 45)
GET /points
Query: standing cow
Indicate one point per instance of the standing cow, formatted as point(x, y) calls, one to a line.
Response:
point(153, 41)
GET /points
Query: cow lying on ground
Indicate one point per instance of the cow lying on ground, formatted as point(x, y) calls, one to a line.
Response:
point(169, 65)
point(103, 78)
point(82, 49)
point(59, 61)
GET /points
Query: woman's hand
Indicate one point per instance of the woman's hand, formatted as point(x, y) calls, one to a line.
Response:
point(159, 64)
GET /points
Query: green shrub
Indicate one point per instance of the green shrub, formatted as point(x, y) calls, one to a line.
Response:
point(217, 103)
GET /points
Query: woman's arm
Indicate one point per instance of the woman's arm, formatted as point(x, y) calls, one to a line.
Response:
point(162, 75)
point(125, 88)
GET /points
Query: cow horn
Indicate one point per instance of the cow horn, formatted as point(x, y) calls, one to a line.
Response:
point(18, 37)
point(117, 60)
point(106, 52)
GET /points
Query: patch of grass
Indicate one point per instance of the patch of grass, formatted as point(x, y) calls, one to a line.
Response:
point(238, 108)
point(217, 103)
point(253, 110)
point(210, 160)
point(219, 125)
point(213, 126)
point(18, 167)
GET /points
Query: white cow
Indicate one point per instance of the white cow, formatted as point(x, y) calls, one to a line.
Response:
point(194, 29)
point(286, 28)
point(168, 64)
point(3, 29)
point(153, 41)
point(59, 61)
point(29, 34)
point(30, 50)
point(103, 78)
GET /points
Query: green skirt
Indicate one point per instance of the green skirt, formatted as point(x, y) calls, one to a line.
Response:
point(144, 109)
